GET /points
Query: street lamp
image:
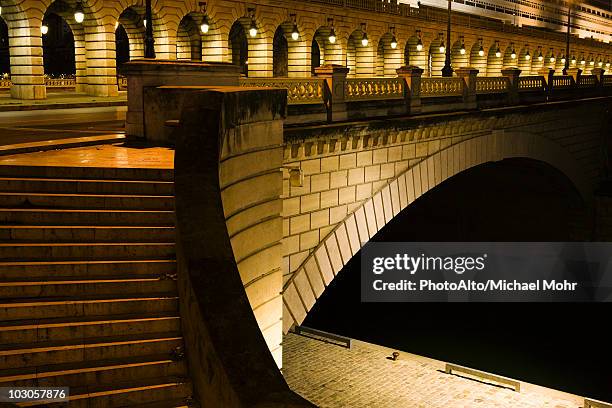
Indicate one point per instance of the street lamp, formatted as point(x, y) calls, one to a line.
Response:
point(253, 28)
point(462, 48)
point(364, 39)
point(79, 15)
point(513, 53)
point(419, 45)
point(295, 33)
point(447, 71)
point(205, 24)
point(527, 55)
point(497, 50)
point(332, 33)
point(44, 29)
point(481, 48)
point(393, 39)
point(442, 47)
point(149, 51)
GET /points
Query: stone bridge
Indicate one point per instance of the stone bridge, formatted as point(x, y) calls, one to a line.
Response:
point(290, 203)
point(371, 37)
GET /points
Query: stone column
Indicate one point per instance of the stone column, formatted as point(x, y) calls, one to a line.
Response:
point(335, 79)
point(469, 85)
point(27, 71)
point(412, 87)
point(574, 73)
point(100, 65)
point(599, 74)
point(513, 78)
point(548, 74)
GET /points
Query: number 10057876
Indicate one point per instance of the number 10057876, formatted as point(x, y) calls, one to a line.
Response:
point(29, 394)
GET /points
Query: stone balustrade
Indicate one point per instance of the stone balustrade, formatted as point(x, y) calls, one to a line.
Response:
point(341, 98)
point(62, 83)
point(374, 88)
point(330, 96)
point(299, 90)
point(531, 83)
point(433, 87)
point(487, 85)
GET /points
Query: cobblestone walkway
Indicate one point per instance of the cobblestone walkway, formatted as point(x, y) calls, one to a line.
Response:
point(333, 376)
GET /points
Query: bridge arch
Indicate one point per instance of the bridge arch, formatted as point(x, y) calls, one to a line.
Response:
point(189, 38)
point(413, 56)
point(248, 46)
point(5, 56)
point(318, 270)
point(328, 52)
point(63, 44)
point(436, 56)
point(478, 57)
point(494, 60)
point(460, 56)
point(290, 50)
point(524, 57)
point(359, 54)
point(388, 59)
point(510, 56)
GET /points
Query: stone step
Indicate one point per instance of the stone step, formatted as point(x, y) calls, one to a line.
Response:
point(74, 233)
point(34, 331)
point(40, 354)
point(126, 396)
point(87, 173)
point(102, 372)
point(23, 216)
point(86, 269)
point(134, 286)
point(66, 307)
point(89, 250)
point(83, 186)
point(86, 201)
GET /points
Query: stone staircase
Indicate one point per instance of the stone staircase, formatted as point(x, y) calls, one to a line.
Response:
point(88, 294)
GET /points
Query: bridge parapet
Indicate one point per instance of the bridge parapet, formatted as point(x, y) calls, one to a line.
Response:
point(333, 97)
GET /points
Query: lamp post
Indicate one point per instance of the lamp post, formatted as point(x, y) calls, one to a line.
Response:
point(447, 71)
point(149, 51)
point(567, 37)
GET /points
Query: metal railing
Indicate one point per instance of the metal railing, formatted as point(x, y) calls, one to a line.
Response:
point(491, 85)
point(434, 87)
point(299, 90)
point(373, 88)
